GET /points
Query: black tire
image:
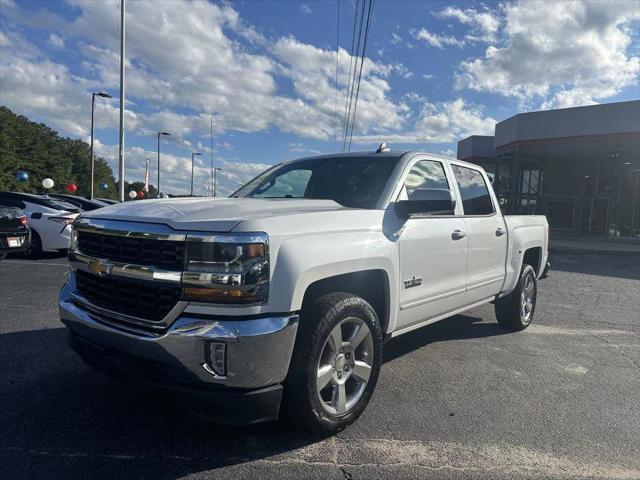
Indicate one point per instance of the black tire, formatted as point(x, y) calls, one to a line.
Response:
point(510, 310)
point(35, 249)
point(3, 256)
point(302, 405)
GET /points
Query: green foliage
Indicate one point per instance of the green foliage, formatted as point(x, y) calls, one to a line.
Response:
point(41, 152)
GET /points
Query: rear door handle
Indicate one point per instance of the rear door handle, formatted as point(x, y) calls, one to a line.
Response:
point(458, 234)
point(500, 231)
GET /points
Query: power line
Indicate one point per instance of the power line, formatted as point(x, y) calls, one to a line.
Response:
point(364, 48)
point(352, 75)
point(335, 104)
point(351, 56)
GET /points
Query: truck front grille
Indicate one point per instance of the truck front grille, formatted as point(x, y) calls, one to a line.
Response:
point(164, 254)
point(147, 300)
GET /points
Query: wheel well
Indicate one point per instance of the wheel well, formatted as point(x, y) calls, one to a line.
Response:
point(371, 285)
point(532, 257)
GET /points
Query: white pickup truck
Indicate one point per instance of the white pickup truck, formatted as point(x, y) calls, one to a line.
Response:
point(276, 302)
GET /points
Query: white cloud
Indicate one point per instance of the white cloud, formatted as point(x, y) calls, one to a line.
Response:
point(186, 61)
point(300, 148)
point(484, 24)
point(395, 39)
point(304, 8)
point(55, 41)
point(443, 122)
point(436, 40)
point(563, 53)
point(175, 174)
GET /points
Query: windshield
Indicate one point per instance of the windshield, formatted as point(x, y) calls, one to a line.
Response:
point(54, 203)
point(354, 182)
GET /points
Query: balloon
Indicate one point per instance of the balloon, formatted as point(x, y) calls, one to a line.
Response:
point(47, 183)
point(140, 194)
point(22, 176)
point(132, 194)
point(72, 188)
point(104, 187)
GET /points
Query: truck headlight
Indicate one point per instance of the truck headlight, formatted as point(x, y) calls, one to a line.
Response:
point(227, 269)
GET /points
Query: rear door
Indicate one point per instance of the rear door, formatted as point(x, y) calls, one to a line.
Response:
point(433, 252)
point(486, 233)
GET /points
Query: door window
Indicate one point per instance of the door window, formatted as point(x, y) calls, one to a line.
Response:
point(425, 174)
point(473, 190)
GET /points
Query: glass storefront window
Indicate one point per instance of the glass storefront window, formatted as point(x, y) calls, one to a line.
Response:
point(560, 214)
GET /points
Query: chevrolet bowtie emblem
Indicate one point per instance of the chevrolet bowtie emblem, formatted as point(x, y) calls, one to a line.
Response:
point(100, 267)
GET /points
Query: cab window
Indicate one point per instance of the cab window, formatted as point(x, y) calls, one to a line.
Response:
point(425, 174)
point(473, 190)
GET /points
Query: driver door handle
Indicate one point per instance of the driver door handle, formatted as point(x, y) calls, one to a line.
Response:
point(500, 231)
point(458, 234)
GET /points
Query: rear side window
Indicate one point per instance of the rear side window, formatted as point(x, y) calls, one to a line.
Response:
point(426, 174)
point(473, 190)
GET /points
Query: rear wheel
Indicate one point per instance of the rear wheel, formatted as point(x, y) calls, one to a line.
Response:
point(35, 249)
point(515, 311)
point(336, 364)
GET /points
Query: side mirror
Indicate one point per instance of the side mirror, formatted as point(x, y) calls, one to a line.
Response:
point(427, 201)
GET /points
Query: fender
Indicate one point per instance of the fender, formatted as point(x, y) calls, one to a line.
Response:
point(521, 239)
point(301, 261)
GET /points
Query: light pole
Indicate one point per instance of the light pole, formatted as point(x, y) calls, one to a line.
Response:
point(160, 133)
point(193, 156)
point(121, 130)
point(215, 171)
point(211, 151)
point(93, 104)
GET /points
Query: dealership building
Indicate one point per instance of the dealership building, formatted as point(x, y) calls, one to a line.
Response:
point(578, 166)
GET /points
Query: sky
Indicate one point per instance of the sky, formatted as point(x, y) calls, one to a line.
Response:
point(262, 74)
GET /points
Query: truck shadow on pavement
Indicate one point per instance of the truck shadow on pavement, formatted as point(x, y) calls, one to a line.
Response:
point(62, 420)
point(459, 327)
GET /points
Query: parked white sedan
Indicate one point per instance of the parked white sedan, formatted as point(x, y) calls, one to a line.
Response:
point(49, 219)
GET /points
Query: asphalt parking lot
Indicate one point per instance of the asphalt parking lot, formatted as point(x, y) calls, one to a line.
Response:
point(458, 399)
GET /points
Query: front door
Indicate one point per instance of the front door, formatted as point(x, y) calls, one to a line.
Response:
point(433, 253)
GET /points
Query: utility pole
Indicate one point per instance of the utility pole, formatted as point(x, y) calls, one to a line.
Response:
point(159, 134)
point(211, 148)
point(193, 155)
point(215, 171)
point(121, 150)
point(93, 158)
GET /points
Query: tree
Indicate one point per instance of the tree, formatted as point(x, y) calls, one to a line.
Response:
point(41, 152)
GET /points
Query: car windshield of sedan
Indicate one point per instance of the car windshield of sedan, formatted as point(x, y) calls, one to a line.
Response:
point(354, 182)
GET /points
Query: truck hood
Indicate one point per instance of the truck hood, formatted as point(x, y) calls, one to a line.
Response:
point(207, 214)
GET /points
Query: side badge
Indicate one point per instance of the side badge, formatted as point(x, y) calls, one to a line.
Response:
point(413, 282)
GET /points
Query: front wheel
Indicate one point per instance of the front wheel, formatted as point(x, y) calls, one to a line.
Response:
point(335, 365)
point(515, 311)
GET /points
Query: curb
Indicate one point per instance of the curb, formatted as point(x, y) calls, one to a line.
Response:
point(593, 251)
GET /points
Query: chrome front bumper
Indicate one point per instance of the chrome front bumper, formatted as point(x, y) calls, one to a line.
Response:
point(258, 350)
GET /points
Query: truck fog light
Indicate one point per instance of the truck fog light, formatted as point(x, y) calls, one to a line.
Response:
point(216, 358)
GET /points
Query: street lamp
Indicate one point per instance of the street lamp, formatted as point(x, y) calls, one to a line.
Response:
point(215, 171)
point(159, 134)
point(93, 104)
point(193, 155)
